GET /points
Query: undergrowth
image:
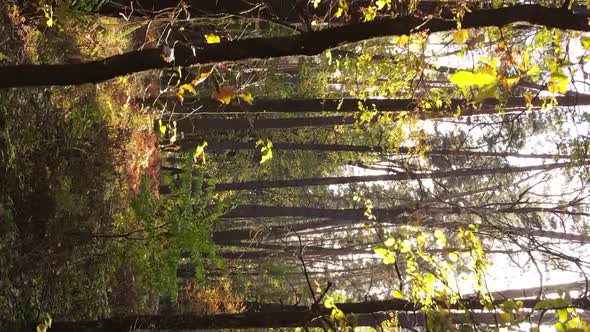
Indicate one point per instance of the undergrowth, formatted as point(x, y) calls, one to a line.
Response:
point(70, 162)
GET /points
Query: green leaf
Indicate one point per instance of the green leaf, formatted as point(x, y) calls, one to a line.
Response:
point(4, 57)
point(551, 303)
point(562, 315)
point(440, 237)
point(329, 303)
point(389, 259)
point(559, 327)
point(585, 42)
point(557, 83)
point(390, 242)
point(535, 70)
point(488, 91)
point(381, 252)
point(397, 294)
point(508, 305)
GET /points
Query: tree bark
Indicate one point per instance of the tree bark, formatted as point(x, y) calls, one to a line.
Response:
point(351, 105)
point(290, 318)
point(395, 216)
point(190, 125)
point(189, 145)
point(310, 43)
point(326, 181)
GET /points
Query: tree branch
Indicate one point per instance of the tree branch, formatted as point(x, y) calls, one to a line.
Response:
point(310, 43)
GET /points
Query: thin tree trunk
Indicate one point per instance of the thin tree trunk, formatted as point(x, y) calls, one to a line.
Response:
point(190, 125)
point(395, 216)
point(189, 145)
point(351, 105)
point(310, 43)
point(261, 211)
point(229, 237)
point(326, 181)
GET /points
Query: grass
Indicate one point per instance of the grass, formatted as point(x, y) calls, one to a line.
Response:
point(71, 160)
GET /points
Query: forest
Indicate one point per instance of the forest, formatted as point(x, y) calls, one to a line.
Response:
point(294, 165)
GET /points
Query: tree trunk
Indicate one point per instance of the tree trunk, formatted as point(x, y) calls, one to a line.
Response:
point(310, 43)
point(326, 181)
point(351, 105)
point(189, 145)
point(396, 216)
point(190, 125)
point(271, 319)
point(232, 236)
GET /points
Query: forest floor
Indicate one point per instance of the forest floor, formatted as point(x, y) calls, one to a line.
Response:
point(71, 160)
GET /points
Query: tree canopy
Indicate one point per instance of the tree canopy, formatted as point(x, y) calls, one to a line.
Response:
point(324, 164)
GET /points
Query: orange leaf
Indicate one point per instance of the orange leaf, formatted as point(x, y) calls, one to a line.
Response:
point(224, 94)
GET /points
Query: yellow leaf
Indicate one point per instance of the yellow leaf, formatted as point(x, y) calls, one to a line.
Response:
point(489, 69)
point(557, 83)
point(162, 127)
point(464, 78)
point(505, 317)
point(202, 77)
point(200, 152)
point(397, 294)
point(380, 4)
point(401, 40)
point(528, 98)
point(460, 36)
point(585, 42)
point(535, 70)
point(183, 88)
point(342, 8)
point(509, 82)
point(189, 88)
point(247, 97)
point(212, 38)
